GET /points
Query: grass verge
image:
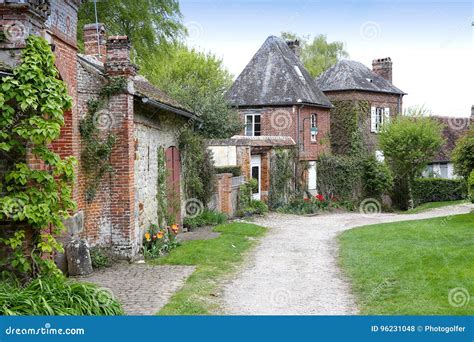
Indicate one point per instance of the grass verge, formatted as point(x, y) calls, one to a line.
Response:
point(431, 205)
point(214, 259)
point(422, 267)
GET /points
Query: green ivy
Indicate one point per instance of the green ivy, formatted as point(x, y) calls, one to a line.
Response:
point(32, 102)
point(282, 174)
point(97, 146)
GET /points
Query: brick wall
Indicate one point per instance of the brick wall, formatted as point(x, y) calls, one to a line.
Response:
point(392, 101)
point(283, 121)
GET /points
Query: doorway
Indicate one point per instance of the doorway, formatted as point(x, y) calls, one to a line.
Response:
point(256, 173)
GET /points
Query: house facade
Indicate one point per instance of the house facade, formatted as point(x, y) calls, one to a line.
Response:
point(453, 129)
point(351, 81)
point(145, 121)
point(275, 96)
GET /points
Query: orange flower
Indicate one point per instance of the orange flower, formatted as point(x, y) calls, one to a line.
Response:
point(159, 235)
point(174, 228)
point(147, 236)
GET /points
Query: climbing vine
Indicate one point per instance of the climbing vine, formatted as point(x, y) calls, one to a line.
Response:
point(347, 120)
point(36, 186)
point(161, 189)
point(282, 172)
point(198, 166)
point(97, 141)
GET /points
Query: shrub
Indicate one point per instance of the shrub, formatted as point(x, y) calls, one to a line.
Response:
point(235, 170)
point(470, 185)
point(340, 176)
point(463, 154)
point(56, 296)
point(438, 189)
point(159, 241)
point(259, 207)
point(299, 205)
point(377, 178)
point(206, 218)
point(100, 258)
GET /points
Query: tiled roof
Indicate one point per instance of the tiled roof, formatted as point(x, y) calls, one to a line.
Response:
point(352, 75)
point(454, 128)
point(263, 141)
point(275, 76)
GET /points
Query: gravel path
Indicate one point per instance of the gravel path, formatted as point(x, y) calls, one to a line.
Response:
point(293, 270)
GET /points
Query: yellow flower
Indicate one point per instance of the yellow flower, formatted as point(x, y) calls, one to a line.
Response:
point(147, 236)
point(159, 235)
point(174, 228)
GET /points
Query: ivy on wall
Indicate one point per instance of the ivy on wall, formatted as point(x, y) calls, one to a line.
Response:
point(347, 126)
point(282, 172)
point(37, 197)
point(198, 166)
point(96, 144)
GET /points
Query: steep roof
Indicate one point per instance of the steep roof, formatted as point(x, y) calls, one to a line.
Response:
point(454, 128)
point(142, 88)
point(275, 76)
point(352, 75)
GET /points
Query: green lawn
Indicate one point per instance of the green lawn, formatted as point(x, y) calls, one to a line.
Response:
point(214, 259)
point(409, 268)
point(431, 205)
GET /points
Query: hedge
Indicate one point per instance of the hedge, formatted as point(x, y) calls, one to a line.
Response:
point(235, 170)
point(438, 190)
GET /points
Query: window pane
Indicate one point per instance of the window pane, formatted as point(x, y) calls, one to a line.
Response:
point(255, 176)
point(257, 118)
point(248, 125)
point(444, 170)
point(257, 129)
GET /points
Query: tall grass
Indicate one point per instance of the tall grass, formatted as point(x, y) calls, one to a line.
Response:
point(56, 296)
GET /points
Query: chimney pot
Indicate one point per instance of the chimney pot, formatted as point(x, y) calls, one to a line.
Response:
point(383, 67)
point(294, 46)
point(95, 45)
point(118, 57)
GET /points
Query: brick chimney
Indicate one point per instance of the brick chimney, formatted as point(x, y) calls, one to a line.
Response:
point(294, 46)
point(95, 40)
point(383, 67)
point(118, 57)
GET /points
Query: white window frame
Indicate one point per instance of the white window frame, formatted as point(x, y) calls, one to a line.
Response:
point(252, 125)
point(314, 124)
point(378, 117)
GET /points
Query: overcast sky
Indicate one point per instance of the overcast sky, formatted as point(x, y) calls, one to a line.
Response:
point(430, 43)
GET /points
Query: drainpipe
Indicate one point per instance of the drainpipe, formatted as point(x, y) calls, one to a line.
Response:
point(399, 104)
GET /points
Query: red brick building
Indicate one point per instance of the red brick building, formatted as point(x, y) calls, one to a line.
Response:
point(352, 81)
point(276, 97)
point(142, 117)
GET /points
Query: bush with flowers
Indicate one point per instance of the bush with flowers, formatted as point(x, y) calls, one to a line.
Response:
point(300, 205)
point(159, 241)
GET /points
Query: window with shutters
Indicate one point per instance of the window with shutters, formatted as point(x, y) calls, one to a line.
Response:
point(379, 116)
point(253, 126)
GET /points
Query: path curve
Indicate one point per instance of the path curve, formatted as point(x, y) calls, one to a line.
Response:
point(293, 270)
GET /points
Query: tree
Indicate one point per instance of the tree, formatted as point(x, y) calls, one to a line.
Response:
point(198, 81)
point(318, 54)
point(147, 23)
point(409, 142)
point(463, 154)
